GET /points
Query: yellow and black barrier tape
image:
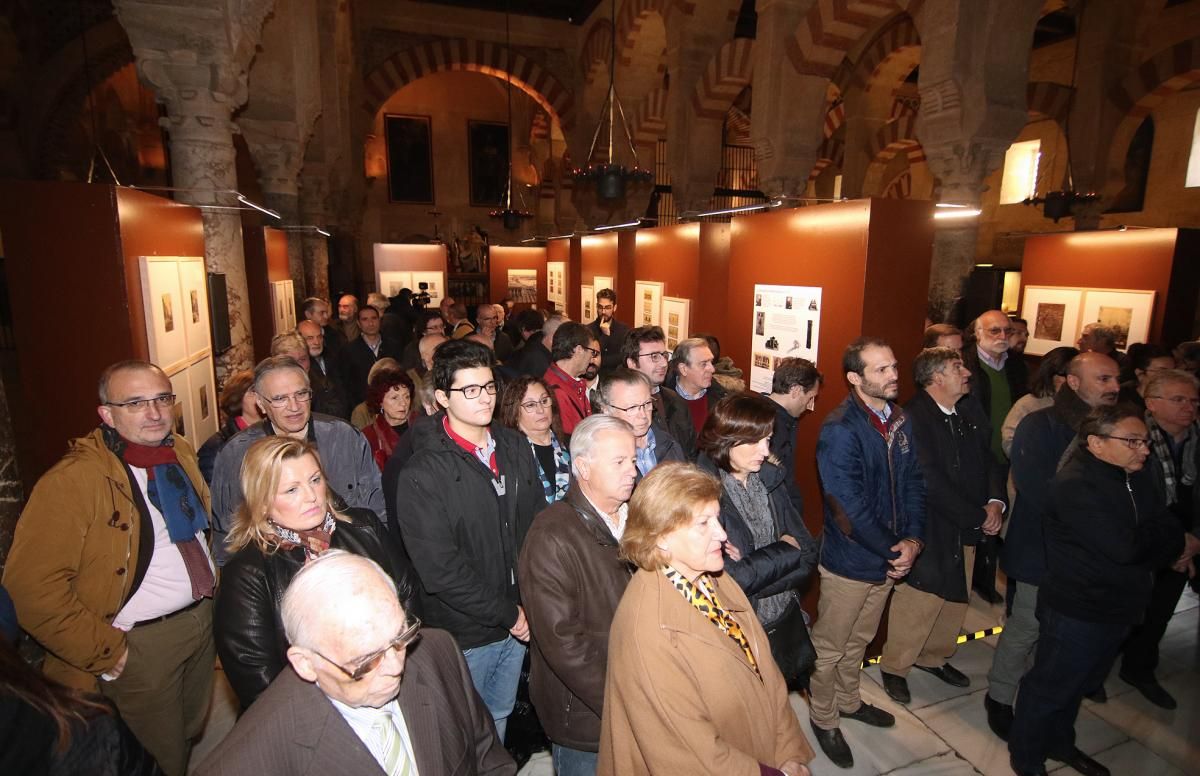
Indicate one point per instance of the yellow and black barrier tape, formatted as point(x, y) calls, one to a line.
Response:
point(963, 638)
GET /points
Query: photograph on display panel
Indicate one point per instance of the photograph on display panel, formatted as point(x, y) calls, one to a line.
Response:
point(1053, 315)
point(391, 282)
point(786, 324)
point(587, 304)
point(647, 299)
point(675, 323)
point(522, 286)
point(164, 310)
point(409, 159)
point(1128, 313)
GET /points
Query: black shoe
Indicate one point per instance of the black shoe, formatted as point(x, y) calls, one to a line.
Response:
point(1151, 690)
point(1000, 717)
point(834, 746)
point(1082, 763)
point(896, 687)
point(948, 674)
point(989, 595)
point(871, 715)
point(1098, 695)
point(1039, 771)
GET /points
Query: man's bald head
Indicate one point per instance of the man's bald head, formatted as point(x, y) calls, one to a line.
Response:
point(1094, 378)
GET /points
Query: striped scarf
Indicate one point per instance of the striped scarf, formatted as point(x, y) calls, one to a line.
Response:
point(1161, 448)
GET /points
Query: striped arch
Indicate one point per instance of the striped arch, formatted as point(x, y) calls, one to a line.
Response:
point(833, 153)
point(597, 49)
point(897, 37)
point(629, 17)
point(727, 74)
point(900, 187)
point(1048, 100)
point(835, 117)
point(485, 57)
point(892, 135)
point(832, 27)
point(650, 117)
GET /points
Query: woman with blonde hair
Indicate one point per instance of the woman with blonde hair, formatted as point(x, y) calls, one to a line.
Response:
point(287, 519)
point(691, 685)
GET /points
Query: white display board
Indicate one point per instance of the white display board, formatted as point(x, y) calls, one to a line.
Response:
point(647, 302)
point(556, 284)
point(587, 304)
point(391, 282)
point(786, 324)
point(676, 314)
point(522, 286)
point(1057, 315)
point(283, 306)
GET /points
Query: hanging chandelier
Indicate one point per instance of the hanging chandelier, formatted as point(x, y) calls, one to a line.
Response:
point(610, 178)
point(510, 217)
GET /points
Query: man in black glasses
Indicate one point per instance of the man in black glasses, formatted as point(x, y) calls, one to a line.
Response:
point(625, 394)
point(285, 401)
point(645, 349)
point(608, 331)
point(109, 569)
point(355, 698)
point(464, 502)
point(574, 348)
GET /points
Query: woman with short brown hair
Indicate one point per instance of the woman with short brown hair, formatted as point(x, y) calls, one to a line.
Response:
point(691, 686)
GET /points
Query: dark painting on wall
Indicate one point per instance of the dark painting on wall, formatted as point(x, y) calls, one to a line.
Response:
point(487, 152)
point(410, 159)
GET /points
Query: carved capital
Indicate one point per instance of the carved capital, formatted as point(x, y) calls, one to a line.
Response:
point(962, 167)
point(277, 153)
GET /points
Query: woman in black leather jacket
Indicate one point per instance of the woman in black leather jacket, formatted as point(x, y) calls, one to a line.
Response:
point(287, 519)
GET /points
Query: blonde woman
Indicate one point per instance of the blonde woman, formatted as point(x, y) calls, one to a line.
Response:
point(287, 519)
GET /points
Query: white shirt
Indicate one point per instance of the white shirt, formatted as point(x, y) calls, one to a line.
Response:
point(618, 530)
point(364, 720)
point(166, 588)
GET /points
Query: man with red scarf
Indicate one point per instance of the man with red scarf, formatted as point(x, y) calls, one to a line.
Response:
point(110, 570)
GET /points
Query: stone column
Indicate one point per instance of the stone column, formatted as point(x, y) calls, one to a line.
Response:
point(278, 159)
point(314, 245)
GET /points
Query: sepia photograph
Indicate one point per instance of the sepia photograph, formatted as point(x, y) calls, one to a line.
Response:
point(1048, 324)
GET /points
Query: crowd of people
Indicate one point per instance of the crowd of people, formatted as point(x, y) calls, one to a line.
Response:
point(407, 510)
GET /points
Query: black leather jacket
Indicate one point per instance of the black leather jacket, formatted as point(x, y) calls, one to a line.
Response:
point(248, 623)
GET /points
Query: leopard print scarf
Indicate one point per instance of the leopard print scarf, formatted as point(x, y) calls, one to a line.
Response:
point(703, 597)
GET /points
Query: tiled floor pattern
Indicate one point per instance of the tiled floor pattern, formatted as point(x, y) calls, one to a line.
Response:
point(944, 732)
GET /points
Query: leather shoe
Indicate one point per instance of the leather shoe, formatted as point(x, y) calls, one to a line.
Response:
point(896, 687)
point(1082, 763)
point(1152, 690)
point(1039, 771)
point(999, 715)
point(1098, 695)
point(834, 746)
point(948, 674)
point(870, 715)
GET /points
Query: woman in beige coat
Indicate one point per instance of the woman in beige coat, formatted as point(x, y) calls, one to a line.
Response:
point(691, 685)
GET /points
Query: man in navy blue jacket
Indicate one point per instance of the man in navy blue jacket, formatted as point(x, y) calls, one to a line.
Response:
point(874, 523)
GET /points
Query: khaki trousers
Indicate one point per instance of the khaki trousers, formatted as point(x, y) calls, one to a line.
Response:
point(848, 615)
point(164, 691)
point(923, 628)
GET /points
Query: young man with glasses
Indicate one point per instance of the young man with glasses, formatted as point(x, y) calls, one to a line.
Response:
point(625, 394)
point(645, 349)
point(464, 502)
point(285, 401)
point(109, 568)
point(573, 349)
point(608, 331)
point(379, 706)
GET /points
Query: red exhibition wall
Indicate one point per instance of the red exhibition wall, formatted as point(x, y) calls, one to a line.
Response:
point(266, 252)
point(504, 258)
point(1160, 260)
point(597, 256)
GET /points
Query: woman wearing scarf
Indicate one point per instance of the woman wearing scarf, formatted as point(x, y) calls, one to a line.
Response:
point(770, 551)
point(287, 520)
point(529, 407)
point(691, 686)
point(390, 398)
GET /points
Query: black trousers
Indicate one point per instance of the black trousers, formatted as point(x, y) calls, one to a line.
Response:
point(1141, 649)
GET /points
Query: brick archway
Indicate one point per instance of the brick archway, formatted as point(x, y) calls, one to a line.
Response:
point(728, 73)
point(831, 28)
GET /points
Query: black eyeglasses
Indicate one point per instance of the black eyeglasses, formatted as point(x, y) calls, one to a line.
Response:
point(1133, 443)
point(645, 407)
point(533, 406)
point(303, 396)
point(368, 663)
point(662, 355)
point(593, 351)
point(473, 391)
point(163, 402)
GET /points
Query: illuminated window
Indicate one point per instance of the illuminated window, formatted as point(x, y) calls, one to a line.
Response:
point(1020, 172)
point(1193, 170)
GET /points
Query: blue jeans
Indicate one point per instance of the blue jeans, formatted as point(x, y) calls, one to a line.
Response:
point(574, 762)
point(496, 670)
point(1072, 658)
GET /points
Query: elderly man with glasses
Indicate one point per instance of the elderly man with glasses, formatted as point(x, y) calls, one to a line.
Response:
point(285, 401)
point(625, 394)
point(109, 569)
point(355, 698)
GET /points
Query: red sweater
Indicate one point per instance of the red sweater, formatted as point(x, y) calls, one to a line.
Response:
point(573, 403)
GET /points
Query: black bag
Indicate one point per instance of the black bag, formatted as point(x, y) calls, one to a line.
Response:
point(524, 736)
point(791, 646)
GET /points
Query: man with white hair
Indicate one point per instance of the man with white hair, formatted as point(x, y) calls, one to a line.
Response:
point(355, 699)
point(625, 393)
point(572, 579)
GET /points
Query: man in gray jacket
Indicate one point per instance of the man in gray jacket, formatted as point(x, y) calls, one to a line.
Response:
point(285, 400)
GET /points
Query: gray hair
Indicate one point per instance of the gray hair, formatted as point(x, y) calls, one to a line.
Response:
point(551, 325)
point(683, 351)
point(288, 342)
point(583, 438)
point(131, 365)
point(623, 375)
point(311, 597)
point(931, 361)
point(1157, 380)
point(378, 300)
point(274, 364)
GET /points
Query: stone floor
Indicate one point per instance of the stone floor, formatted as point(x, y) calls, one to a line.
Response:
point(944, 732)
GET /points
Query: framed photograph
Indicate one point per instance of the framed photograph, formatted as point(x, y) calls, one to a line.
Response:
point(183, 406)
point(193, 280)
point(165, 311)
point(282, 306)
point(203, 400)
point(556, 288)
point(1127, 312)
point(522, 286)
point(587, 304)
point(676, 313)
point(409, 159)
point(436, 285)
point(487, 159)
point(647, 302)
point(1053, 315)
point(390, 283)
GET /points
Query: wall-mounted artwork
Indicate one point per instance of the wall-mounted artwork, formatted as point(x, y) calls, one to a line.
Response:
point(1126, 312)
point(675, 323)
point(390, 283)
point(522, 286)
point(283, 305)
point(587, 304)
point(203, 402)
point(786, 324)
point(556, 288)
point(487, 156)
point(410, 159)
point(1053, 315)
point(647, 302)
point(163, 305)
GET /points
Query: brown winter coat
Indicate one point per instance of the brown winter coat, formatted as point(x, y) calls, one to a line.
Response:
point(681, 696)
point(73, 558)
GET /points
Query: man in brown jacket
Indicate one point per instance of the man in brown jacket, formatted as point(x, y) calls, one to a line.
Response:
point(571, 582)
point(110, 571)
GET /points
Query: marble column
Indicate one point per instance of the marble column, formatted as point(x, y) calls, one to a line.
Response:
point(278, 163)
point(314, 245)
point(955, 241)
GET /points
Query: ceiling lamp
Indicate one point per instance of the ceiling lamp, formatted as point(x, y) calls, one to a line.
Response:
point(608, 177)
point(510, 217)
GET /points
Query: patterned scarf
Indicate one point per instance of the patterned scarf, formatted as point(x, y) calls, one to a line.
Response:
point(562, 471)
point(753, 503)
point(1162, 451)
point(703, 597)
point(314, 541)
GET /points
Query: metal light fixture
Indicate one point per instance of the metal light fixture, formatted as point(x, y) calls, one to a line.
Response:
point(510, 218)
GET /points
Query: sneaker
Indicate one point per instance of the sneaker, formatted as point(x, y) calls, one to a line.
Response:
point(871, 715)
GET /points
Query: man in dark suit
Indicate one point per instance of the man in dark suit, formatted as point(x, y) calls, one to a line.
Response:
point(363, 351)
point(608, 330)
point(362, 695)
